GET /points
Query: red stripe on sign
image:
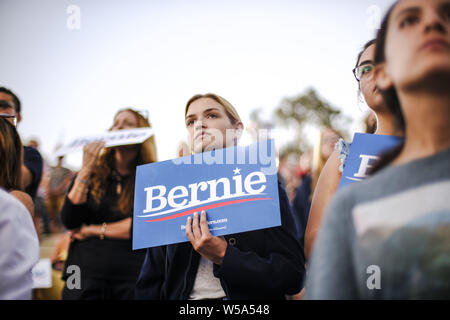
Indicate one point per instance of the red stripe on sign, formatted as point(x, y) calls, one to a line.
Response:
point(211, 206)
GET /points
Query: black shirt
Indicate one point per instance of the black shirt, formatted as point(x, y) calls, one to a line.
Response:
point(32, 159)
point(101, 259)
point(301, 206)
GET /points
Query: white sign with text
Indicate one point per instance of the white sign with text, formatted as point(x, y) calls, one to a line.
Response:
point(111, 138)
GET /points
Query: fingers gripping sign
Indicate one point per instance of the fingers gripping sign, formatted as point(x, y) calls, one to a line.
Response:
point(211, 247)
point(91, 153)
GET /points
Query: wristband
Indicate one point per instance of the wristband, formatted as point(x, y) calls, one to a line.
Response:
point(102, 231)
point(86, 182)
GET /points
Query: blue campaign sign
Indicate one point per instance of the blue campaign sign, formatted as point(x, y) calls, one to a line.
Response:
point(237, 187)
point(364, 151)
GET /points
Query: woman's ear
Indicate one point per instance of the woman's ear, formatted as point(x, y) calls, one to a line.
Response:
point(18, 117)
point(382, 79)
point(239, 127)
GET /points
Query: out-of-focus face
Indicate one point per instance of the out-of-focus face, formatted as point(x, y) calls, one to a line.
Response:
point(417, 45)
point(305, 161)
point(7, 107)
point(367, 82)
point(329, 139)
point(209, 126)
point(124, 120)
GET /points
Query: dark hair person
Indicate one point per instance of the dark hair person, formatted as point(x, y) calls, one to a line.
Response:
point(14, 99)
point(388, 236)
point(11, 162)
point(98, 209)
point(331, 175)
point(10, 155)
point(259, 264)
point(32, 164)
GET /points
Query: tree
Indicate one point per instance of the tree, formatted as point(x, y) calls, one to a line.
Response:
point(308, 108)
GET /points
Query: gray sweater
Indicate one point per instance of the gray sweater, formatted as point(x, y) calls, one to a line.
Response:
point(387, 237)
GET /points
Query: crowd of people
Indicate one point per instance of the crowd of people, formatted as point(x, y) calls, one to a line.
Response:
point(396, 221)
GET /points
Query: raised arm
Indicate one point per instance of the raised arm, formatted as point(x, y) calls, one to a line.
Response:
point(74, 211)
point(326, 187)
point(78, 192)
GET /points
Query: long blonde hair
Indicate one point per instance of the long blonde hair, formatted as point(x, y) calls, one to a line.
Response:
point(106, 165)
point(318, 160)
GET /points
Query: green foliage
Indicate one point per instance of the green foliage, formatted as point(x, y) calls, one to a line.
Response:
point(307, 108)
point(258, 121)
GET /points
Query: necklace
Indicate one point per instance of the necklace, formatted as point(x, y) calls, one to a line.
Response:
point(118, 179)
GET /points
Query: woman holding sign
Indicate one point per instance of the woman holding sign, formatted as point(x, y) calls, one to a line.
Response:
point(260, 264)
point(98, 211)
point(332, 171)
point(387, 237)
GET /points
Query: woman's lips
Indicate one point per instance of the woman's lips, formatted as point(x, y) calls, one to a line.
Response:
point(200, 135)
point(435, 44)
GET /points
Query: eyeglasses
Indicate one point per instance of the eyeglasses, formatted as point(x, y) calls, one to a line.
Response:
point(9, 117)
point(362, 71)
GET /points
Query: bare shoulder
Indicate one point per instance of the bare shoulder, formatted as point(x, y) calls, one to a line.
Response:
point(25, 199)
point(330, 172)
point(328, 182)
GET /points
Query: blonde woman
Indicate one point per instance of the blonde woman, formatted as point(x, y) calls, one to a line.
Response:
point(259, 264)
point(98, 211)
point(302, 201)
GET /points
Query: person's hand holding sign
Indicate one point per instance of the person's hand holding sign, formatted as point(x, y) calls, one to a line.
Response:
point(91, 151)
point(211, 247)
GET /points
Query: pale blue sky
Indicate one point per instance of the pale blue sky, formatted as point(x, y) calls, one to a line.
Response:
point(155, 55)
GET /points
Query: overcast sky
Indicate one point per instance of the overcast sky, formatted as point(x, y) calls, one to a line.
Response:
point(155, 55)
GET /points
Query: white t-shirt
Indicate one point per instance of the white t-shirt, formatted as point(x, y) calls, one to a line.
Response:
point(19, 249)
point(206, 285)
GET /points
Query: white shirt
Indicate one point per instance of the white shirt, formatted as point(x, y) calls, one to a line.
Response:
point(206, 285)
point(19, 249)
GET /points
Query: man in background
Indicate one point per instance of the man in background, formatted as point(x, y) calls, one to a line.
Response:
point(32, 159)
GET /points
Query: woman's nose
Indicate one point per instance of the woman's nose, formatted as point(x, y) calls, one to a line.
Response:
point(118, 127)
point(434, 22)
point(199, 124)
